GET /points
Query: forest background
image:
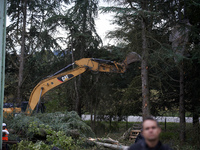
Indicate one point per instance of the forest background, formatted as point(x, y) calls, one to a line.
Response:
point(165, 33)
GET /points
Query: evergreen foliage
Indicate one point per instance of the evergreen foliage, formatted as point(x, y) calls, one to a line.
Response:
point(66, 122)
point(48, 130)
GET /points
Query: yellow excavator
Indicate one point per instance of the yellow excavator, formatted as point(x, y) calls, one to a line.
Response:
point(84, 64)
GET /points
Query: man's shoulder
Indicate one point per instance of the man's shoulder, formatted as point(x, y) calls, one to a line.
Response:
point(136, 146)
point(165, 147)
point(141, 146)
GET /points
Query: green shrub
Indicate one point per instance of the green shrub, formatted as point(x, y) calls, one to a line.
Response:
point(66, 122)
point(29, 145)
point(52, 138)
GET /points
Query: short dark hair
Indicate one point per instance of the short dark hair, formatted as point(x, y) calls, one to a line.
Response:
point(150, 118)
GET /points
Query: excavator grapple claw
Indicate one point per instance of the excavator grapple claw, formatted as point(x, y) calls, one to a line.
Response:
point(132, 57)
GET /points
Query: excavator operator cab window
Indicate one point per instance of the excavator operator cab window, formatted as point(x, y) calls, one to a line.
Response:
point(23, 106)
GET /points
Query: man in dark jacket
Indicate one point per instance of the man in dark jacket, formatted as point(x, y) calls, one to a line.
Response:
point(150, 132)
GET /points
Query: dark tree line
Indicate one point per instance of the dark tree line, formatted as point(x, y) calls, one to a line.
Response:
point(164, 33)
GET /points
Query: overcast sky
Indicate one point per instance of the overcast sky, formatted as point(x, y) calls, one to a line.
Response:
point(103, 23)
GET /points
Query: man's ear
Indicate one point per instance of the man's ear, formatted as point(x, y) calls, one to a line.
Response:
point(160, 129)
point(141, 132)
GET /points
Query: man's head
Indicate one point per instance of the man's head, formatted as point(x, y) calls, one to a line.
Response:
point(150, 129)
point(3, 125)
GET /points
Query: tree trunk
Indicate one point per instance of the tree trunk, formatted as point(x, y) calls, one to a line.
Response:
point(82, 49)
point(76, 86)
point(21, 59)
point(95, 118)
point(95, 112)
point(195, 119)
point(78, 99)
point(195, 114)
point(93, 115)
point(91, 119)
point(144, 74)
point(182, 106)
point(179, 39)
point(110, 121)
point(126, 122)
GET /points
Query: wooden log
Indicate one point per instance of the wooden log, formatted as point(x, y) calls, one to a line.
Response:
point(114, 144)
point(107, 140)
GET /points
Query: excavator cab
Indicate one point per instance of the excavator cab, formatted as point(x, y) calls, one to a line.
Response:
point(40, 107)
point(8, 108)
point(24, 104)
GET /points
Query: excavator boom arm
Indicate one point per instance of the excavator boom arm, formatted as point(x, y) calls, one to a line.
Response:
point(47, 84)
point(101, 65)
point(83, 64)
